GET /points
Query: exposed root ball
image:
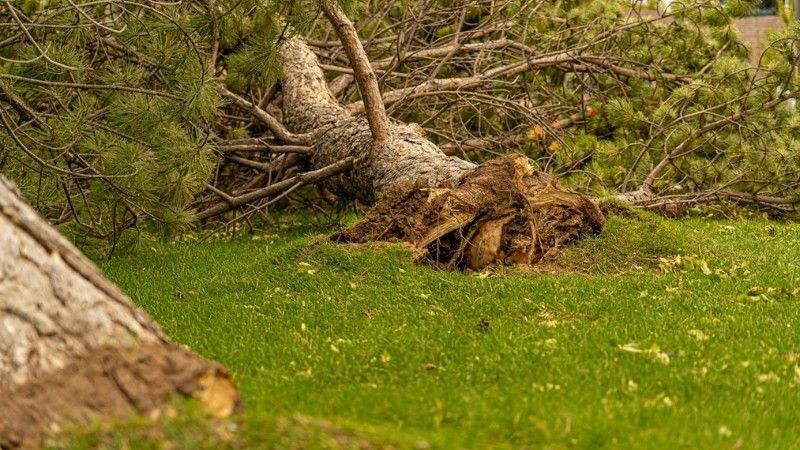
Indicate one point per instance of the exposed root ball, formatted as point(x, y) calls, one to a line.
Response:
point(503, 212)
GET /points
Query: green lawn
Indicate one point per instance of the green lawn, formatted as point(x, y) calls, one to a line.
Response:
point(611, 348)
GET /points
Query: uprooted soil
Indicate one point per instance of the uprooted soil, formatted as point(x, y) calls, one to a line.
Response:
point(111, 383)
point(504, 212)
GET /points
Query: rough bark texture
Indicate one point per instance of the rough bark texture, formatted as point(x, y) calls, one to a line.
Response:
point(457, 214)
point(309, 107)
point(72, 345)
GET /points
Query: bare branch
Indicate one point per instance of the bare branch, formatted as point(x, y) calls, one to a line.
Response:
point(275, 126)
point(365, 77)
point(310, 177)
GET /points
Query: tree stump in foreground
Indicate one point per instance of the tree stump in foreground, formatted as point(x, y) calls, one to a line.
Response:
point(73, 347)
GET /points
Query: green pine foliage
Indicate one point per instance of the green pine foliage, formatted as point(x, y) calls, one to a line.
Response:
point(136, 151)
point(639, 119)
point(645, 120)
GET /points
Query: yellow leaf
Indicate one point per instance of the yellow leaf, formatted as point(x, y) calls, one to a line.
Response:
point(536, 133)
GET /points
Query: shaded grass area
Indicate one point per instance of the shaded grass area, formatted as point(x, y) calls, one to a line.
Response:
point(630, 348)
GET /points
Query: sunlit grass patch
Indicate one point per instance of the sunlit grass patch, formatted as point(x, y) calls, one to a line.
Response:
point(674, 334)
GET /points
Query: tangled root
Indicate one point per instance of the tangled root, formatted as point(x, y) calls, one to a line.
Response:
point(504, 212)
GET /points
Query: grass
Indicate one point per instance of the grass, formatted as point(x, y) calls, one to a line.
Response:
point(609, 348)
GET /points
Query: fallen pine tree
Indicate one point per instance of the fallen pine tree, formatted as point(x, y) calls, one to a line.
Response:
point(235, 108)
point(457, 214)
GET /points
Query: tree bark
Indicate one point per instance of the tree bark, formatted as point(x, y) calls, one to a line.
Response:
point(73, 346)
point(457, 214)
point(309, 107)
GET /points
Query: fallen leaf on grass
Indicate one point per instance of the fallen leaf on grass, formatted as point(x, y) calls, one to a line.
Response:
point(698, 335)
point(654, 352)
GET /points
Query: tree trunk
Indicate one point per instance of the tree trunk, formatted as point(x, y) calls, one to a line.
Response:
point(457, 214)
point(73, 346)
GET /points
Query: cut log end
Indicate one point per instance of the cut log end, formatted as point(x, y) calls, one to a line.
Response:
point(503, 212)
point(73, 347)
point(113, 382)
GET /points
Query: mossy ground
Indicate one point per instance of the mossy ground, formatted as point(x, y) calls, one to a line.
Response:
point(620, 344)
